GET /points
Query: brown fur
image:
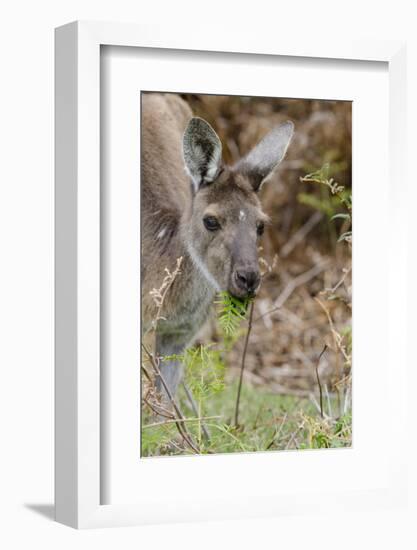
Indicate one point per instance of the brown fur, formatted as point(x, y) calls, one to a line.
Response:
point(165, 190)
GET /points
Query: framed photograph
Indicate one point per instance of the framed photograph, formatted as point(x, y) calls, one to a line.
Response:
point(228, 213)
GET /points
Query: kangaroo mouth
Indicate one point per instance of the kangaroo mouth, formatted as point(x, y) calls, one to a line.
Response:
point(237, 290)
point(242, 295)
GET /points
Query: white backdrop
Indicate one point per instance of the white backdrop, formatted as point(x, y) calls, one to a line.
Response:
point(26, 274)
point(125, 477)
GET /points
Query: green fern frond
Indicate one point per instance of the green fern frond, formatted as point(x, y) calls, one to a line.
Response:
point(330, 201)
point(232, 312)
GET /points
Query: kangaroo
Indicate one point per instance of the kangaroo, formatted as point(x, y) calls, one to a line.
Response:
point(195, 207)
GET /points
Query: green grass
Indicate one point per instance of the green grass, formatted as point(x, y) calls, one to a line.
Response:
point(267, 422)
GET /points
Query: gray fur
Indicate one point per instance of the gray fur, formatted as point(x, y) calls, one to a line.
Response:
point(202, 151)
point(265, 157)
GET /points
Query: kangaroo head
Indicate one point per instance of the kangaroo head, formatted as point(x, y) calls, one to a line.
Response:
point(226, 218)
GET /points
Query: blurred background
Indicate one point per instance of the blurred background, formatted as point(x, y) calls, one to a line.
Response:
point(305, 300)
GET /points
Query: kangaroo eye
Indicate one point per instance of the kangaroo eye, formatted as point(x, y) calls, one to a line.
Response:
point(260, 228)
point(211, 223)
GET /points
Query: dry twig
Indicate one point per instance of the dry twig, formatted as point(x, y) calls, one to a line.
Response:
point(293, 284)
point(179, 421)
point(337, 338)
point(174, 420)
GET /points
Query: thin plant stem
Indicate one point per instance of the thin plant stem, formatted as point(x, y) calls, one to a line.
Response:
point(277, 432)
point(173, 420)
point(242, 366)
point(195, 410)
point(318, 380)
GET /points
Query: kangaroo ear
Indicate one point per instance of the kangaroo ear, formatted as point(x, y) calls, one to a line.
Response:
point(202, 151)
point(266, 155)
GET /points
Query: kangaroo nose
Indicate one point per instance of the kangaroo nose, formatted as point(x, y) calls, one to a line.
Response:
point(247, 280)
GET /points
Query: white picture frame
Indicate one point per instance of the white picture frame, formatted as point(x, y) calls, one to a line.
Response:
point(78, 405)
